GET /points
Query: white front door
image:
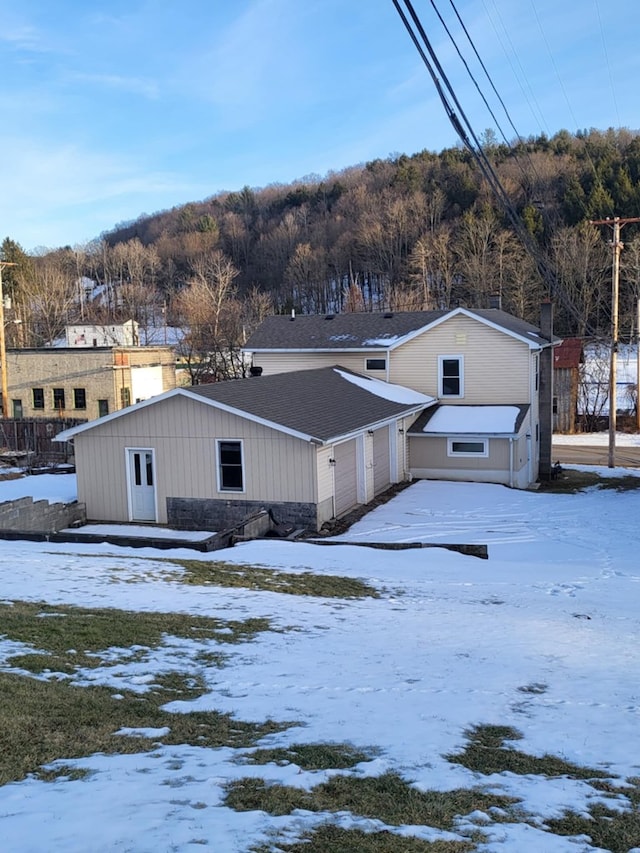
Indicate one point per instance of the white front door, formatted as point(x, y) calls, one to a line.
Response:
point(142, 490)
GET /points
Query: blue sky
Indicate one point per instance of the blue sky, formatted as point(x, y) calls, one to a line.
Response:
point(111, 110)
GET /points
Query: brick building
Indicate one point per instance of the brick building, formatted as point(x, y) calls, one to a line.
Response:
point(85, 382)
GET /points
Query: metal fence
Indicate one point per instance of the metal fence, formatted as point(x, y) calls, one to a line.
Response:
point(30, 440)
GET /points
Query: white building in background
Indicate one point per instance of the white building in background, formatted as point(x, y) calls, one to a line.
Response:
point(120, 335)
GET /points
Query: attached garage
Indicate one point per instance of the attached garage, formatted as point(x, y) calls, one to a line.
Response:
point(346, 476)
point(300, 444)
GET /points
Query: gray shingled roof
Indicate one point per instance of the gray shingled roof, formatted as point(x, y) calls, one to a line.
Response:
point(338, 331)
point(362, 330)
point(318, 403)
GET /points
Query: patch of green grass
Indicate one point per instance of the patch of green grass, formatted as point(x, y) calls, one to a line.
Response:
point(627, 483)
point(570, 481)
point(609, 829)
point(62, 771)
point(245, 576)
point(388, 798)
point(74, 637)
point(332, 839)
point(220, 573)
point(42, 721)
point(313, 756)
point(486, 753)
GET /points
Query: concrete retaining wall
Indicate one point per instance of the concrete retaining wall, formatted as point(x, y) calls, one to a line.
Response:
point(29, 515)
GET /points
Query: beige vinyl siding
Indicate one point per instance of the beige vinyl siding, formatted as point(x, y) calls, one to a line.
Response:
point(431, 452)
point(183, 433)
point(281, 362)
point(346, 475)
point(324, 473)
point(488, 354)
point(381, 460)
point(428, 458)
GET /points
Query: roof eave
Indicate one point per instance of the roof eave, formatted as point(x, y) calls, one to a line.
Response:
point(376, 424)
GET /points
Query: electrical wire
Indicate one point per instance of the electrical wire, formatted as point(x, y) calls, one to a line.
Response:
point(470, 141)
point(529, 96)
point(484, 68)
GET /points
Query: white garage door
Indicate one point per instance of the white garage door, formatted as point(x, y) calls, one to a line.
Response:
point(346, 476)
point(381, 460)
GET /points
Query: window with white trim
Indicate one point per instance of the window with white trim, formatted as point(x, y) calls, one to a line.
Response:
point(450, 376)
point(230, 466)
point(468, 447)
point(376, 364)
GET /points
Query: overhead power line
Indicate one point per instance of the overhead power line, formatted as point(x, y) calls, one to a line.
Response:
point(468, 137)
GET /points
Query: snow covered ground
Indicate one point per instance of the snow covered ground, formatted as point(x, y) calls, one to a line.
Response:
point(453, 641)
point(598, 439)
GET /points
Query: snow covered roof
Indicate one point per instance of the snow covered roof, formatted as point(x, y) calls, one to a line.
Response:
point(470, 420)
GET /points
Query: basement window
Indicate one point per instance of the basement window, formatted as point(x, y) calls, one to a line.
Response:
point(230, 466)
point(468, 447)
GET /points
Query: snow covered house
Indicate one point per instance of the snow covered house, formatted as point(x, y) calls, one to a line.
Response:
point(337, 409)
point(308, 445)
point(120, 335)
point(482, 366)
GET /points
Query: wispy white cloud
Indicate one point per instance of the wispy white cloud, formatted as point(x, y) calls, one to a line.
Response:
point(22, 37)
point(51, 192)
point(134, 85)
point(254, 64)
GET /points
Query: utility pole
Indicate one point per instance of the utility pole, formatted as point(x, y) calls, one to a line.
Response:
point(617, 246)
point(3, 351)
point(638, 365)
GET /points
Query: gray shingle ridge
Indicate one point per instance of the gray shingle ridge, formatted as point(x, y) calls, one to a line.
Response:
point(318, 403)
point(338, 331)
point(367, 330)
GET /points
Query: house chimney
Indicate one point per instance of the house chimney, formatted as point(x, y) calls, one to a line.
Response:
point(495, 301)
point(545, 391)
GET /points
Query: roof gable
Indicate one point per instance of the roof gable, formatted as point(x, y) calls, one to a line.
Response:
point(363, 331)
point(499, 320)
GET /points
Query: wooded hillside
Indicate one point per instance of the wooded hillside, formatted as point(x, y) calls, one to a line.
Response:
point(405, 233)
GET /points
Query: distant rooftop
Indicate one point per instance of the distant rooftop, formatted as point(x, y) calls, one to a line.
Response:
point(368, 331)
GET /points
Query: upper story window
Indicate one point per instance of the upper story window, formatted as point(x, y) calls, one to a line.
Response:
point(38, 398)
point(79, 398)
point(376, 363)
point(450, 376)
point(58, 398)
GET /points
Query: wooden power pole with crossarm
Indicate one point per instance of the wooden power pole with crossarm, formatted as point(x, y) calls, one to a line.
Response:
point(617, 246)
